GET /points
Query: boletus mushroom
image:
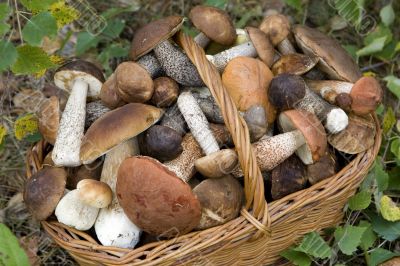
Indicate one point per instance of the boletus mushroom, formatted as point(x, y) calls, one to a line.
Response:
point(365, 94)
point(94, 110)
point(289, 91)
point(262, 44)
point(297, 64)
point(109, 95)
point(82, 79)
point(324, 168)
point(49, 119)
point(94, 193)
point(166, 91)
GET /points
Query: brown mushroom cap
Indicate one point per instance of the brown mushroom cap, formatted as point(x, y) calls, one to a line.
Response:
point(89, 72)
point(296, 64)
point(247, 81)
point(133, 83)
point(312, 130)
point(220, 199)
point(366, 95)
point(226, 159)
point(44, 190)
point(155, 199)
point(277, 28)
point(94, 193)
point(324, 168)
point(344, 101)
point(214, 23)
point(166, 92)
point(334, 60)
point(357, 137)
point(286, 90)
point(263, 45)
point(109, 95)
point(288, 177)
point(115, 127)
point(147, 37)
point(49, 119)
point(87, 171)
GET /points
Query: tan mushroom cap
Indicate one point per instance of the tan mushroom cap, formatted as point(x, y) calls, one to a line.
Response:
point(296, 64)
point(147, 37)
point(166, 92)
point(133, 82)
point(44, 190)
point(109, 95)
point(115, 127)
point(334, 60)
point(357, 137)
point(217, 164)
point(312, 130)
point(263, 45)
point(247, 81)
point(155, 199)
point(214, 23)
point(94, 193)
point(277, 28)
point(366, 95)
point(49, 119)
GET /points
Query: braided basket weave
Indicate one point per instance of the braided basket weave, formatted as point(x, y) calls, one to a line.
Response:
point(260, 233)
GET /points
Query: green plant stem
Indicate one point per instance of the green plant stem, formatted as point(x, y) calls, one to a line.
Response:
point(19, 22)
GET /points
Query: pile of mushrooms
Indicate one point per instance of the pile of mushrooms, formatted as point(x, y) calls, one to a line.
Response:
point(146, 151)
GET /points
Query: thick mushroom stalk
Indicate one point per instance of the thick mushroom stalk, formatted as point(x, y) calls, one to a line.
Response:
point(151, 64)
point(113, 227)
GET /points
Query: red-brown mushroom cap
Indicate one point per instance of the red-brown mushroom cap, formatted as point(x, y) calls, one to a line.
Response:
point(366, 95)
point(155, 199)
point(277, 27)
point(262, 44)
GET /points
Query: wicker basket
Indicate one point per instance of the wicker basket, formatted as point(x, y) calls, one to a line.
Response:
point(258, 235)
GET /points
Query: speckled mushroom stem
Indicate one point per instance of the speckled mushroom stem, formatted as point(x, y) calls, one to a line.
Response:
point(329, 89)
point(197, 122)
point(173, 118)
point(177, 65)
point(271, 151)
point(93, 111)
point(207, 104)
point(221, 59)
point(286, 47)
point(202, 40)
point(151, 64)
point(334, 118)
point(71, 129)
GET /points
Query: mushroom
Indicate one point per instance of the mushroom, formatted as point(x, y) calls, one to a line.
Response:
point(262, 44)
point(304, 135)
point(214, 24)
point(366, 93)
point(44, 190)
point(112, 226)
point(162, 143)
point(94, 110)
point(155, 198)
point(94, 193)
point(49, 119)
point(296, 64)
point(324, 168)
point(86, 171)
point(154, 37)
point(288, 177)
point(72, 212)
point(82, 79)
point(115, 127)
point(256, 121)
point(207, 104)
point(166, 92)
point(333, 59)
point(150, 62)
point(174, 119)
point(247, 81)
point(206, 166)
point(220, 199)
point(357, 137)
point(109, 95)
point(343, 100)
point(277, 28)
point(289, 91)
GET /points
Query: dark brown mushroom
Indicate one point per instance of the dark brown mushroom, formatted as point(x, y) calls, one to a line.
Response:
point(166, 92)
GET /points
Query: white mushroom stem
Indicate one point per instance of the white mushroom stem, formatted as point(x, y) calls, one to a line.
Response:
point(71, 129)
point(334, 118)
point(329, 89)
point(286, 47)
point(221, 59)
point(113, 227)
point(197, 122)
point(202, 40)
point(151, 64)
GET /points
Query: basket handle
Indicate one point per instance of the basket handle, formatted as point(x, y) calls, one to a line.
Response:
point(253, 180)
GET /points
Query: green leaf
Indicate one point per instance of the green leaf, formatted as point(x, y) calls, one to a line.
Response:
point(4, 27)
point(389, 209)
point(115, 11)
point(349, 237)
point(63, 13)
point(369, 237)
point(381, 176)
point(314, 245)
point(113, 29)
point(388, 52)
point(85, 41)
point(216, 3)
point(360, 201)
point(379, 255)
point(395, 147)
point(11, 254)
point(376, 46)
point(8, 55)
point(379, 31)
point(352, 50)
point(43, 24)
point(296, 4)
point(350, 10)
point(37, 5)
point(387, 15)
point(4, 11)
point(389, 120)
point(386, 229)
point(393, 84)
point(296, 257)
point(31, 60)
point(394, 180)
point(112, 51)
